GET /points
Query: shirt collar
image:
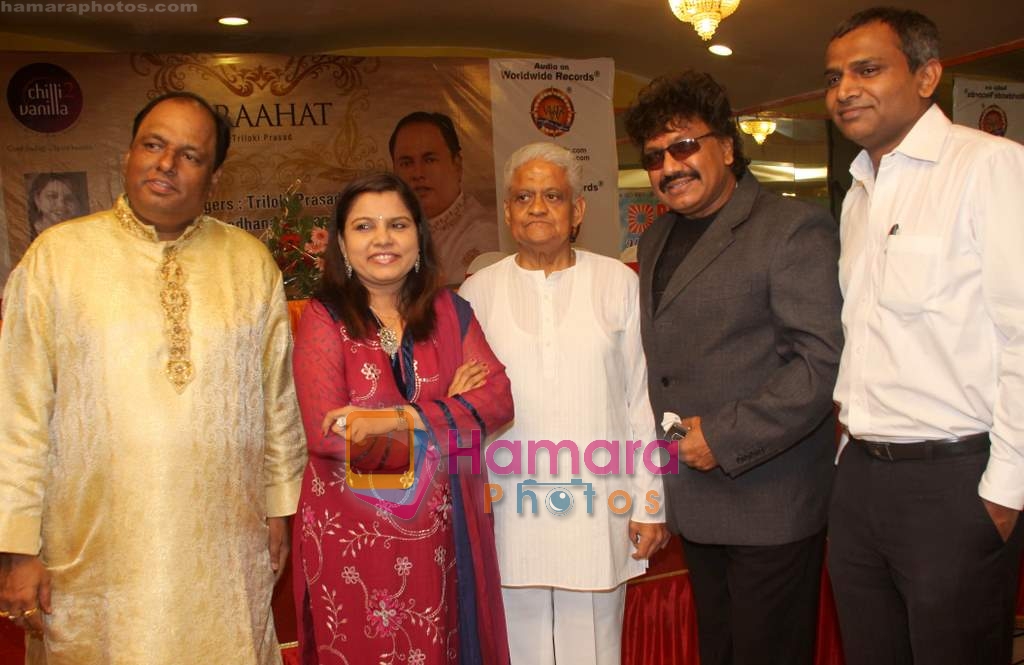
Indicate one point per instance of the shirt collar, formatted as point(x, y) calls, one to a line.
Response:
point(926, 136)
point(923, 142)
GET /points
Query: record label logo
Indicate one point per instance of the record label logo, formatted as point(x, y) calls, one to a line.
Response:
point(993, 120)
point(552, 112)
point(44, 97)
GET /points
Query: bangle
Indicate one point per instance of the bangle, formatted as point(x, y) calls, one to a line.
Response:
point(400, 415)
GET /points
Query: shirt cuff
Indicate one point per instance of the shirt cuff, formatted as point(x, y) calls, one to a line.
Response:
point(21, 535)
point(283, 498)
point(1003, 483)
point(641, 504)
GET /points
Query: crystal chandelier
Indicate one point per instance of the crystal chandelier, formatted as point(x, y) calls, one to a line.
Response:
point(759, 128)
point(705, 15)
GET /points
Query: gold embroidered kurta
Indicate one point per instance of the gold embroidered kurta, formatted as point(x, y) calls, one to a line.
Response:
point(148, 427)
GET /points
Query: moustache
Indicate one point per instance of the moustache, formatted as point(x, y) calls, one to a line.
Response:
point(669, 178)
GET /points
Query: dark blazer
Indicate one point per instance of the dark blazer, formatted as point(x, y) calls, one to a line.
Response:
point(747, 336)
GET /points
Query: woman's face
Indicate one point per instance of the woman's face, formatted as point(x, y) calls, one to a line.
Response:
point(380, 240)
point(56, 203)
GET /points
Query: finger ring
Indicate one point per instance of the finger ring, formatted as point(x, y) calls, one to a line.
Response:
point(27, 613)
point(340, 422)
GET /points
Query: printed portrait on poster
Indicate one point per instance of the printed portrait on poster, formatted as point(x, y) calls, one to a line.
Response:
point(427, 154)
point(51, 198)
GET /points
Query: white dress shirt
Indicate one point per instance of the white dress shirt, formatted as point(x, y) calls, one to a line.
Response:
point(932, 272)
point(570, 342)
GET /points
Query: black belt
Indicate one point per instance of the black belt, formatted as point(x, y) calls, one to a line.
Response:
point(896, 452)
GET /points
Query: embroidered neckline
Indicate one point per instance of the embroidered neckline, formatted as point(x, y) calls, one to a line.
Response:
point(128, 221)
point(450, 217)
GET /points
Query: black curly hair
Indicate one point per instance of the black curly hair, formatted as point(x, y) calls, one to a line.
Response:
point(686, 95)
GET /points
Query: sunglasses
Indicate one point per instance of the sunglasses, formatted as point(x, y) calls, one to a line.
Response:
point(680, 150)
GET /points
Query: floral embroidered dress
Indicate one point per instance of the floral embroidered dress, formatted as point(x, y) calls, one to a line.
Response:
point(411, 582)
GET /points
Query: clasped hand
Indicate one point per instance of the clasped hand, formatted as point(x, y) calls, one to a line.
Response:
point(647, 538)
point(469, 376)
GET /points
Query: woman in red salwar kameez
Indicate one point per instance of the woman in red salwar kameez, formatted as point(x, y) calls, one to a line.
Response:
point(407, 574)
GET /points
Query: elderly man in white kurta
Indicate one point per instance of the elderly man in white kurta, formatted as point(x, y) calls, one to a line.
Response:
point(150, 446)
point(565, 323)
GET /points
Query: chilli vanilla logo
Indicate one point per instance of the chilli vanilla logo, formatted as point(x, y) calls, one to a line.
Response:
point(44, 97)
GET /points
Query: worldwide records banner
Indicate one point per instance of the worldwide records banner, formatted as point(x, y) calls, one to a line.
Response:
point(321, 119)
point(996, 107)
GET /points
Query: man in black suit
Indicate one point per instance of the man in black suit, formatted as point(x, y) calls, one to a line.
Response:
point(740, 319)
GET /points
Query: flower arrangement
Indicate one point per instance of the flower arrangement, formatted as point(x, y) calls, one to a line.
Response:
point(297, 244)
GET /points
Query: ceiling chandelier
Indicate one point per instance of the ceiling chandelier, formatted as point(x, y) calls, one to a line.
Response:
point(705, 15)
point(759, 128)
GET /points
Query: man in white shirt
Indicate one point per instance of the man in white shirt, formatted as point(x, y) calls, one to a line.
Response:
point(924, 532)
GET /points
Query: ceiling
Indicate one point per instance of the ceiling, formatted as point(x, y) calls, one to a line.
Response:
point(778, 44)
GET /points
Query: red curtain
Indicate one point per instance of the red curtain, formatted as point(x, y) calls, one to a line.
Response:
point(659, 626)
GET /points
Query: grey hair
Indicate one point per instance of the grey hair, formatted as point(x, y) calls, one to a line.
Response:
point(552, 153)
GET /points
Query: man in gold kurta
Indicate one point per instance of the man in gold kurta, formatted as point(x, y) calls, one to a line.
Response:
point(150, 447)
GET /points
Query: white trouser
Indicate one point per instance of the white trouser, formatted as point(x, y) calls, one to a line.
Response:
point(556, 627)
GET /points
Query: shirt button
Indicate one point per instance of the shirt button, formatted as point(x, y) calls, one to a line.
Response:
point(665, 381)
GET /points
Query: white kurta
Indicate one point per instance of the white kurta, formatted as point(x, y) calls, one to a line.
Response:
point(571, 346)
point(145, 486)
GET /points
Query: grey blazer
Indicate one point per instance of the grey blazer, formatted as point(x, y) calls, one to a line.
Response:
point(747, 336)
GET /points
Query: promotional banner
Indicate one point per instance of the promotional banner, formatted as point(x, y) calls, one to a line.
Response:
point(568, 102)
point(996, 107)
point(306, 124)
point(638, 208)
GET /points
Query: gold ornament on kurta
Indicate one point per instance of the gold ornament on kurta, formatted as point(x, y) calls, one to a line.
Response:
point(173, 297)
point(174, 300)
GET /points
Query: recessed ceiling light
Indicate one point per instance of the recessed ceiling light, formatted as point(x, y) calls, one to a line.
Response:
point(233, 21)
point(720, 49)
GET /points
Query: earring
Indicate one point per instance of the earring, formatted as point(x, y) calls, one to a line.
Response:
point(416, 266)
point(348, 266)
